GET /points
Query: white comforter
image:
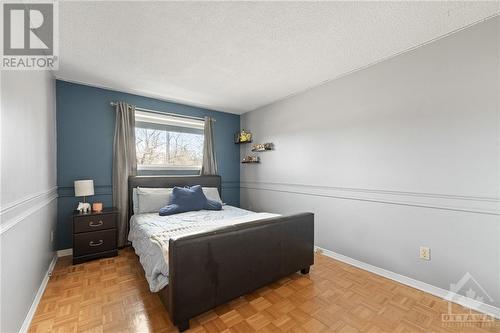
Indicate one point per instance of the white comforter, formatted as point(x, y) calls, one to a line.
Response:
point(149, 234)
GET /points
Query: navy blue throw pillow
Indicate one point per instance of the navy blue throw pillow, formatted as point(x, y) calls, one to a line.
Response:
point(170, 210)
point(213, 205)
point(187, 199)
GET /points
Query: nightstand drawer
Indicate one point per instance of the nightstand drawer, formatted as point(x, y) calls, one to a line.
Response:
point(94, 222)
point(94, 242)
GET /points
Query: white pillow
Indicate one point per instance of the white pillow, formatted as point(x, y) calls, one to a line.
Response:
point(212, 193)
point(135, 201)
point(151, 200)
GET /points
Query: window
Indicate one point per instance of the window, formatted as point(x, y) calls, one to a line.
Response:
point(165, 142)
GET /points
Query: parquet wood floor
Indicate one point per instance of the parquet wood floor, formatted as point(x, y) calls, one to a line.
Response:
point(111, 295)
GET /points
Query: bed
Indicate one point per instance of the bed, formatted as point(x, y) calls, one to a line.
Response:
point(218, 255)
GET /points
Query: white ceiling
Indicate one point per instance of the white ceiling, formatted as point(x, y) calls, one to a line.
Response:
point(238, 56)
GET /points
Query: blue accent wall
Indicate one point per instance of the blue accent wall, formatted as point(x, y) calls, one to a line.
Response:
point(85, 129)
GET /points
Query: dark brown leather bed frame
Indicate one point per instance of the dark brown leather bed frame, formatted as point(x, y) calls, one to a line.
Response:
point(212, 268)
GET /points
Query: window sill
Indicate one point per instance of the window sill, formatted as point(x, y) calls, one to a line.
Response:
point(167, 168)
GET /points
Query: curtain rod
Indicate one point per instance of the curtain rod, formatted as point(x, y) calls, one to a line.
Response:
point(164, 113)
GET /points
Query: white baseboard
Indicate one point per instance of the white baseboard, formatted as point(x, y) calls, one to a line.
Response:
point(27, 321)
point(64, 253)
point(436, 291)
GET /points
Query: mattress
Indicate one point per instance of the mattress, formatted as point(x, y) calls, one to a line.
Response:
point(149, 234)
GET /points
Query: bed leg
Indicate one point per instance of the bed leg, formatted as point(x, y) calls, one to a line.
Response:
point(183, 326)
point(305, 270)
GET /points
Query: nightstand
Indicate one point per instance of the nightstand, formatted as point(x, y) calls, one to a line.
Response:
point(94, 235)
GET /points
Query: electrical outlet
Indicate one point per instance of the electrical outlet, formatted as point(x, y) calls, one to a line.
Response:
point(425, 253)
point(52, 236)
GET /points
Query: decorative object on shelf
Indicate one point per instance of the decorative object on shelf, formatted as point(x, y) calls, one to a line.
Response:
point(243, 137)
point(263, 146)
point(251, 159)
point(84, 188)
point(97, 207)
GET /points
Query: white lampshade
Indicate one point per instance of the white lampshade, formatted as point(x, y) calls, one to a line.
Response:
point(84, 188)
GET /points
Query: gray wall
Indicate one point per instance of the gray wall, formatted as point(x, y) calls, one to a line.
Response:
point(401, 154)
point(28, 190)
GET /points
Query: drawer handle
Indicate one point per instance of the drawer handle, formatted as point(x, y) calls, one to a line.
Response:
point(98, 224)
point(99, 243)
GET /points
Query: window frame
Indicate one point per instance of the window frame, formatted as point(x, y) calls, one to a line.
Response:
point(160, 167)
point(167, 120)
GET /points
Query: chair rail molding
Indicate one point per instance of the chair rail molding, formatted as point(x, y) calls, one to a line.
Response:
point(69, 191)
point(15, 212)
point(469, 204)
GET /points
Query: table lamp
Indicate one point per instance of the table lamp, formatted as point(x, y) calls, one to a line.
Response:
point(84, 188)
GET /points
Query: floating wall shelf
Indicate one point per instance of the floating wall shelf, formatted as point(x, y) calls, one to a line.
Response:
point(263, 147)
point(251, 159)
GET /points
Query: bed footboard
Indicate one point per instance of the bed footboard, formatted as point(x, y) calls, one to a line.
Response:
point(212, 268)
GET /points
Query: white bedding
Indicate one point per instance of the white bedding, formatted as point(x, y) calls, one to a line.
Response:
point(149, 234)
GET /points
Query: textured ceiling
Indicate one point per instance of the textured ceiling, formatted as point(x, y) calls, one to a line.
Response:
point(238, 56)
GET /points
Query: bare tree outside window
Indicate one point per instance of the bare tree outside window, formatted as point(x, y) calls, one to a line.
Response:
point(168, 149)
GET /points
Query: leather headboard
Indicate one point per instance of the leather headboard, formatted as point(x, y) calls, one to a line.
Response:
point(169, 181)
